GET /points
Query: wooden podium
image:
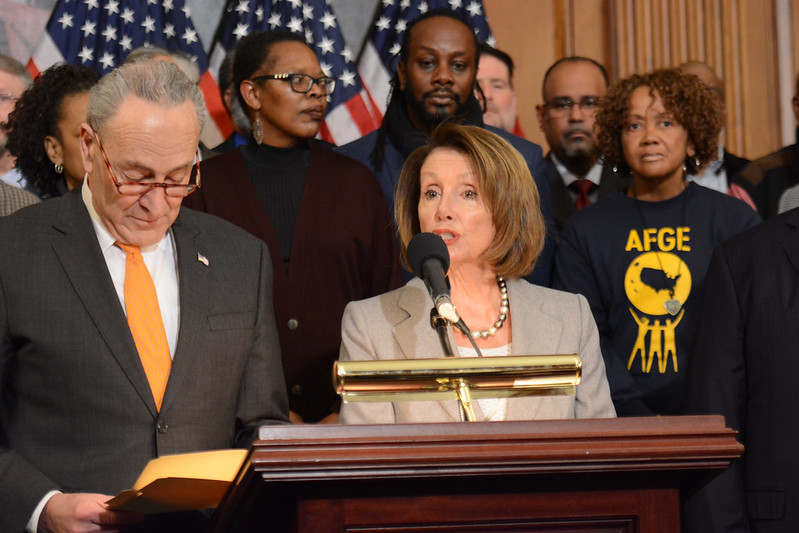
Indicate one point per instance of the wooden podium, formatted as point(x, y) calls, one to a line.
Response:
point(603, 475)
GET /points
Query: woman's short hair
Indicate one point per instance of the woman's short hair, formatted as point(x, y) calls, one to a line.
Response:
point(255, 50)
point(508, 190)
point(693, 104)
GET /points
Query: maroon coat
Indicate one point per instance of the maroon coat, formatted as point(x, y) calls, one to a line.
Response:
point(343, 249)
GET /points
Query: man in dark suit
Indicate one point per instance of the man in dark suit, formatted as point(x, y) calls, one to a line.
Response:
point(435, 81)
point(717, 174)
point(571, 90)
point(743, 366)
point(87, 396)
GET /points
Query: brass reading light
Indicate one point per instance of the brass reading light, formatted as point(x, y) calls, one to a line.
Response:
point(457, 378)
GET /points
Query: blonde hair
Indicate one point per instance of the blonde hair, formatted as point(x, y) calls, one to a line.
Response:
point(507, 186)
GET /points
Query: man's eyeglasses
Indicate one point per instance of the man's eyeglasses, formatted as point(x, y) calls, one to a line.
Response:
point(302, 83)
point(564, 105)
point(130, 188)
point(5, 98)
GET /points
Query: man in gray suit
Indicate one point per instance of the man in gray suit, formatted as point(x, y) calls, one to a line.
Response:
point(80, 414)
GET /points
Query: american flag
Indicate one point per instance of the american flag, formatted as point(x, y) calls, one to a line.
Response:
point(378, 61)
point(101, 33)
point(350, 112)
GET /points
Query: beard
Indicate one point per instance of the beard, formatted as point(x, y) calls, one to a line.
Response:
point(419, 111)
point(582, 152)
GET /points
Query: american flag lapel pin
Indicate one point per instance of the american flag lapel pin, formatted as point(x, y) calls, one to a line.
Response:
point(202, 259)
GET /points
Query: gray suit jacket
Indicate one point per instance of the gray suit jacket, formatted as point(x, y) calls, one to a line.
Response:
point(396, 325)
point(77, 413)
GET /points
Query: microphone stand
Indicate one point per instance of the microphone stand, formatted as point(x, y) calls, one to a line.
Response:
point(439, 323)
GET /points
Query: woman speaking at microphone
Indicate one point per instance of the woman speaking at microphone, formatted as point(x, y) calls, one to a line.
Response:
point(472, 189)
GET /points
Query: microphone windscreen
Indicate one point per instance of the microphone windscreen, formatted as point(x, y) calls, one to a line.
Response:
point(424, 246)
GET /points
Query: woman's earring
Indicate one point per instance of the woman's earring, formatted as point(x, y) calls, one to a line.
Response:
point(258, 131)
point(58, 167)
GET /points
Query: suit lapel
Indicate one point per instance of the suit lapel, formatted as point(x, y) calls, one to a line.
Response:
point(416, 338)
point(791, 243)
point(194, 264)
point(534, 333)
point(79, 254)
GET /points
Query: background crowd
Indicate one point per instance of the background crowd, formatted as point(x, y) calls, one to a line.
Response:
point(637, 241)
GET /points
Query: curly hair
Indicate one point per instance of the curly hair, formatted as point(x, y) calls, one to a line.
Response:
point(37, 115)
point(694, 105)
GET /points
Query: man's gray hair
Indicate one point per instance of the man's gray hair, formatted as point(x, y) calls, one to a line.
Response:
point(15, 68)
point(150, 53)
point(158, 82)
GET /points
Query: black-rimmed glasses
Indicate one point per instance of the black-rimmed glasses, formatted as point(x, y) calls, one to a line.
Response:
point(302, 83)
point(130, 188)
point(564, 105)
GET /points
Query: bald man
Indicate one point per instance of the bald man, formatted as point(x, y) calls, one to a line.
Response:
point(717, 174)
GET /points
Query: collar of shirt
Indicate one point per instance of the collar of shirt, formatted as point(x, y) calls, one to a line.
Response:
point(715, 175)
point(594, 175)
point(160, 260)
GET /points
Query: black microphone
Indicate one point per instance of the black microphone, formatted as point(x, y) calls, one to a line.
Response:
point(428, 258)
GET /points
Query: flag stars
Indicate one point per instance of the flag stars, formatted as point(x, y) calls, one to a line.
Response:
point(65, 21)
point(168, 6)
point(383, 23)
point(325, 45)
point(405, 4)
point(346, 53)
point(308, 35)
point(307, 12)
point(107, 61)
point(112, 7)
point(328, 20)
point(455, 4)
point(274, 20)
point(190, 36)
point(401, 25)
point(85, 54)
point(88, 28)
point(91, 4)
point(148, 24)
point(110, 33)
point(474, 9)
point(259, 14)
point(295, 25)
point(423, 7)
point(491, 42)
point(387, 3)
point(395, 49)
point(169, 30)
point(347, 78)
point(240, 31)
point(186, 11)
point(126, 43)
point(127, 15)
point(326, 68)
point(242, 7)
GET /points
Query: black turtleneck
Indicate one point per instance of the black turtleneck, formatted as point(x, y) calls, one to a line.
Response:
point(278, 175)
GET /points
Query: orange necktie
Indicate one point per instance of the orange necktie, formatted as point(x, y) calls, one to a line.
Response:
point(144, 320)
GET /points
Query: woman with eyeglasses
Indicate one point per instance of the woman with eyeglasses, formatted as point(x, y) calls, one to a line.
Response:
point(322, 214)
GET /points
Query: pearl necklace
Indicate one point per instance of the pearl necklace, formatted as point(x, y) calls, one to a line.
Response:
point(503, 313)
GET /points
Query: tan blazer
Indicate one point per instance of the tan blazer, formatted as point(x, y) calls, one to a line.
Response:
point(396, 325)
